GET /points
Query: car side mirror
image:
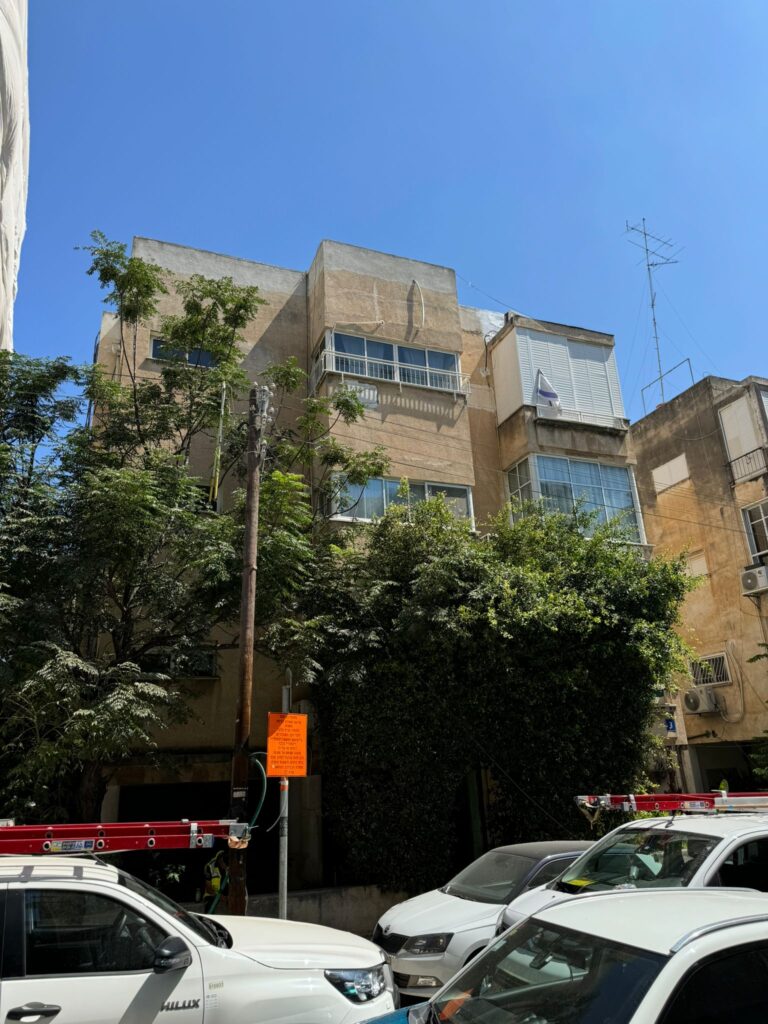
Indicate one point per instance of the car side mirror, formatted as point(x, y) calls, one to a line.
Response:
point(172, 955)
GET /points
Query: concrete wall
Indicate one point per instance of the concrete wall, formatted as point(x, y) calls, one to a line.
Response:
point(701, 515)
point(352, 908)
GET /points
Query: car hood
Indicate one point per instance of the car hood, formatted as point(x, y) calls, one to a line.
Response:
point(437, 911)
point(530, 903)
point(293, 945)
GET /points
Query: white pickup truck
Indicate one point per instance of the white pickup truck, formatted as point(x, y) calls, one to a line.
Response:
point(84, 943)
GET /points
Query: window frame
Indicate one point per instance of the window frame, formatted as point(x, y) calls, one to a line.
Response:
point(154, 338)
point(426, 484)
point(754, 551)
point(22, 895)
point(535, 477)
point(697, 678)
point(417, 375)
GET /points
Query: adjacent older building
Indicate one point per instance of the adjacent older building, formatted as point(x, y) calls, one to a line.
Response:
point(703, 484)
point(455, 396)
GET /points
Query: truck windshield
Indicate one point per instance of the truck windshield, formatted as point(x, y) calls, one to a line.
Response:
point(493, 878)
point(638, 858)
point(197, 924)
point(540, 972)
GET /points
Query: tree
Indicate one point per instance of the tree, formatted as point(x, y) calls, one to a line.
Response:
point(114, 566)
point(532, 653)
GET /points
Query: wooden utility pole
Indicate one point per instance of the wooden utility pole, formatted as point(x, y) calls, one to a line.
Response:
point(259, 417)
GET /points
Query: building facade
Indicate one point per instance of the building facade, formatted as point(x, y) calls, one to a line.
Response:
point(14, 154)
point(454, 396)
point(703, 484)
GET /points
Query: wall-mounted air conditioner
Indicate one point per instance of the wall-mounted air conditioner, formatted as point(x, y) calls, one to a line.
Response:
point(700, 700)
point(754, 581)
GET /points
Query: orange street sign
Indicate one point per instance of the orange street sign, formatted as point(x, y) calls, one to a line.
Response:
point(286, 745)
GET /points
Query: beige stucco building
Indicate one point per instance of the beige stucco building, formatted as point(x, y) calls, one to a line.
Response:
point(467, 402)
point(702, 479)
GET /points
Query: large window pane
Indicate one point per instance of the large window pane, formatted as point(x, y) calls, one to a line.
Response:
point(373, 500)
point(349, 500)
point(585, 473)
point(559, 496)
point(553, 469)
point(350, 344)
point(615, 476)
point(757, 518)
point(380, 350)
point(457, 498)
point(441, 360)
point(412, 356)
point(417, 492)
point(199, 357)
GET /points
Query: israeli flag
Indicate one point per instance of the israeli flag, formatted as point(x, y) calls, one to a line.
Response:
point(545, 393)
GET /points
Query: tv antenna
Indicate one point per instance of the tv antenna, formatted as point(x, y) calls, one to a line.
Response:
point(658, 252)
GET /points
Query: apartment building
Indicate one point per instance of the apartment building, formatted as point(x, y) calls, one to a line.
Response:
point(702, 479)
point(468, 403)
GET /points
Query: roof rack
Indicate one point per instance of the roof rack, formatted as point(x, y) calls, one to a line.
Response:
point(716, 926)
point(121, 836)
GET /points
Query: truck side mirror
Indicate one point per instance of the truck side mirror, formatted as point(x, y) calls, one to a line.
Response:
point(172, 955)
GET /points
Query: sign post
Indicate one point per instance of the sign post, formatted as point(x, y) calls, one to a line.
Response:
point(286, 758)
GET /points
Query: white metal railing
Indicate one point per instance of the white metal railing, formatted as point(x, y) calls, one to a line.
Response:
point(548, 412)
point(749, 465)
point(390, 372)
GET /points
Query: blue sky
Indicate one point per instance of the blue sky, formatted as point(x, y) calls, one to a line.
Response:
point(510, 140)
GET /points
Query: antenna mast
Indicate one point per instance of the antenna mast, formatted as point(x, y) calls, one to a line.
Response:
point(655, 256)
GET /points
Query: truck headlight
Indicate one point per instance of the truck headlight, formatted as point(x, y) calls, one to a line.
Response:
point(362, 985)
point(421, 945)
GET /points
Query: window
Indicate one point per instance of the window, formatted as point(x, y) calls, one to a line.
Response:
point(68, 932)
point(746, 867)
point(696, 564)
point(194, 356)
point(370, 500)
point(756, 520)
point(383, 360)
point(549, 869)
point(519, 480)
point(604, 490)
point(670, 473)
point(730, 986)
point(195, 663)
point(710, 670)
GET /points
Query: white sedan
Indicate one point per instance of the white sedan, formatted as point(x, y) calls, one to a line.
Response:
point(678, 956)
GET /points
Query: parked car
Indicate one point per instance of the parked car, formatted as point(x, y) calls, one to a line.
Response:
point(684, 956)
point(432, 935)
point(86, 943)
point(700, 850)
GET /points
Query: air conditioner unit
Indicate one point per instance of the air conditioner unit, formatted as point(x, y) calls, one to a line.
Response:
point(755, 581)
point(700, 700)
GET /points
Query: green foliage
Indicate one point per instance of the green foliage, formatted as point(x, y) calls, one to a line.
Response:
point(113, 565)
point(533, 653)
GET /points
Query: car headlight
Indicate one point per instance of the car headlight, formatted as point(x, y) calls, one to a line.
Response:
point(423, 944)
point(362, 985)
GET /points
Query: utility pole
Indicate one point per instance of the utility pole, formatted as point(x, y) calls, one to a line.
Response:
point(654, 257)
point(260, 414)
point(282, 877)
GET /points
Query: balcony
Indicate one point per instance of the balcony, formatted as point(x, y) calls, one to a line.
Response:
point(748, 466)
point(594, 419)
point(388, 371)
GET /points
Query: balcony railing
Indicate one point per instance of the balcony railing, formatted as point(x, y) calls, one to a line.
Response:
point(749, 465)
point(389, 372)
point(596, 419)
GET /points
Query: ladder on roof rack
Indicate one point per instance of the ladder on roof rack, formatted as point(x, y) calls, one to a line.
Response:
point(121, 836)
point(715, 802)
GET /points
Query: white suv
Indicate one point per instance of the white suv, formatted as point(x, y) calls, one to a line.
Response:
point(728, 850)
point(84, 943)
point(684, 956)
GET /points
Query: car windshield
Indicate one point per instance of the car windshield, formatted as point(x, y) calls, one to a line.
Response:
point(199, 925)
point(638, 858)
point(542, 974)
point(493, 878)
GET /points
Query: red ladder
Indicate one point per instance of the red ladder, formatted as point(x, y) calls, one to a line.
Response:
point(685, 803)
point(118, 836)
